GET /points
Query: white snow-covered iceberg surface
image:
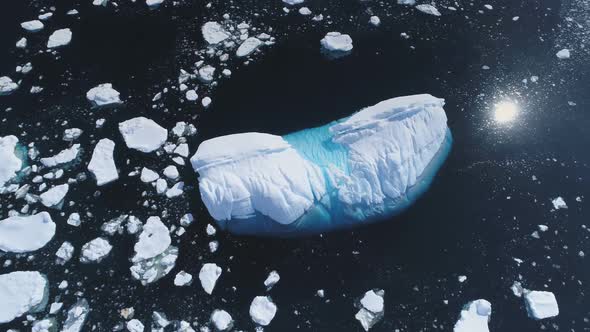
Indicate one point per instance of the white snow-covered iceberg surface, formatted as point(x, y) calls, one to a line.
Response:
point(474, 317)
point(22, 292)
point(11, 163)
point(27, 233)
point(103, 95)
point(368, 166)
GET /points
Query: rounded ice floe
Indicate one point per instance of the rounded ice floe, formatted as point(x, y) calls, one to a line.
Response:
point(153, 240)
point(154, 3)
point(375, 20)
point(541, 304)
point(32, 26)
point(563, 54)
point(336, 42)
point(214, 33)
point(103, 95)
point(102, 165)
point(11, 163)
point(95, 250)
point(7, 86)
point(26, 233)
point(262, 310)
point(22, 292)
point(208, 276)
point(368, 166)
point(59, 38)
point(143, 134)
point(474, 317)
point(222, 320)
point(183, 278)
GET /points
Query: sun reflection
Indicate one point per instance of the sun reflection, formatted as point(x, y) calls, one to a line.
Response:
point(505, 111)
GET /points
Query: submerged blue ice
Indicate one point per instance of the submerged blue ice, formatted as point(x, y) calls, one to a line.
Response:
point(350, 172)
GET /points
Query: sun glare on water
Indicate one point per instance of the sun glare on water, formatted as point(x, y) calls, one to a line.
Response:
point(505, 112)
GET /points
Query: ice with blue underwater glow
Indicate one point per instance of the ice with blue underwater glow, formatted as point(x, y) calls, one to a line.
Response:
point(350, 172)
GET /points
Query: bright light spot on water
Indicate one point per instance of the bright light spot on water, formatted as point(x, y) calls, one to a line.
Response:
point(505, 112)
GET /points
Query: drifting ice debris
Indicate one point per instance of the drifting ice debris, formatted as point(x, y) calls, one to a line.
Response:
point(372, 164)
point(171, 172)
point(114, 225)
point(540, 304)
point(21, 43)
point(304, 11)
point(95, 250)
point(206, 101)
point(271, 280)
point(214, 33)
point(474, 317)
point(76, 316)
point(102, 165)
point(44, 325)
point(143, 134)
point(428, 9)
point(147, 175)
point(154, 3)
point(63, 157)
point(64, 253)
point(72, 134)
point(176, 190)
point(22, 292)
point(563, 54)
point(7, 86)
point(370, 308)
point(27, 233)
point(160, 320)
point(100, 2)
point(222, 320)
point(32, 26)
point(135, 325)
point(336, 42)
point(406, 2)
point(293, 2)
point(558, 203)
point(374, 20)
point(151, 270)
point(517, 289)
point(74, 219)
point(45, 16)
point(206, 74)
point(248, 46)
point(59, 38)
point(262, 310)
point(182, 279)
point(54, 196)
point(191, 95)
point(153, 240)
point(10, 164)
point(103, 95)
point(208, 276)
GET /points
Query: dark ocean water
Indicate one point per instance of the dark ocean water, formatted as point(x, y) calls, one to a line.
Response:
point(476, 218)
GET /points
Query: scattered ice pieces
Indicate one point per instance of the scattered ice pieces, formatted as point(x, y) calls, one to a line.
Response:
point(32, 26)
point(103, 95)
point(428, 9)
point(143, 134)
point(7, 86)
point(59, 38)
point(183, 279)
point(222, 320)
point(102, 165)
point(271, 280)
point(76, 317)
point(54, 196)
point(563, 54)
point(64, 253)
point(304, 11)
point(72, 134)
point(214, 33)
point(26, 233)
point(474, 317)
point(95, 250)
point(11, 163)
point(22, 292)
point(248, 46)
point(336, 42)
point(371, 308)
point(262, 310)
point(558, 203)
point(540, 304)
point(208, 276)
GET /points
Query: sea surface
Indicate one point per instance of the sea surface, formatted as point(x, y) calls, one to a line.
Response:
point(476, 220)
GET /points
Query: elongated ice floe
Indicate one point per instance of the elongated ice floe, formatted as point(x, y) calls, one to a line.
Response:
point(11, 163)
point(368, 166)
point(27, 233)
point(22, 292)
point(102, 165)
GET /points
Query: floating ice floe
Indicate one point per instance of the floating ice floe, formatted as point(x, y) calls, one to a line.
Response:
point(406, 2)
point(63, 157)
point(540, 304)
point(103, 95)
point(21, 43)
point(154, 3)
point(22, 292)
point(147, 175)
point(64, 253)
point(100, 2)
point(293, 2)
point(271, 280)
point(558, 203)
point(32, 26)
point(135, 325)
point(143, 134)
point(371, 307)
point(95, 250)
point(336, 42)
point(563, 54)
point(102, 165)
point(262, 310)
point(375, 20)
point(76, 317)
point(7, 86)
point(54, 196)
point(27, 233)
point(59, 38)
point(248, 46)
point(428, 9)
point(72, 134)
point(154, 256)
point(11, 163)
point(474, 317)
point(365, 167)
point(208, 276)
point(214, 33)
point(183, 279)
point(44, 325)
point(222, 320)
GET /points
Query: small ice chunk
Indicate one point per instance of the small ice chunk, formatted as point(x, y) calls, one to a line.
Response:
point(150, 270)
point(262, 310)
point(211, 230)
point(371, 308)
point(517, 289)
point(183, 278)
point(474, 317)
point(171, 172)
point(182, 150)
point(74, 219)
point(541, 304)
point(336, 42)
point(32, 26)
point(102, 165)
point(45, 16)
point(488, 7)
point(143, 134)
point(304, 11)
point(76, 317)
point(558, 203)
point(55, 307)
point(248, 46)
point(135, 325)
point(22, 292)
point(176, 190)
point(375, 20)
point(21, 43)
point(59, 38)
point(222, 320)
point(206, 101)
point(54, 196)
point(187, 219)
point(208, 276)
point(406, 2)
point(272, 279)
point(7, 86)
point(27, 233)
point(563, 54)
point(147, 175)
point(214, 33)
point(95, 250)
point(153, 240)
point(63, 157)
point(293, 2)
point(153, 3)
point(191, 95)
point(10, 164)
point(72, 134)
point(428, 9)
point(64, 253)
point(206, 74)
point(103, 95)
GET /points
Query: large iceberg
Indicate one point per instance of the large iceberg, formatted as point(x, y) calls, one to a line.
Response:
point(350, 172)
